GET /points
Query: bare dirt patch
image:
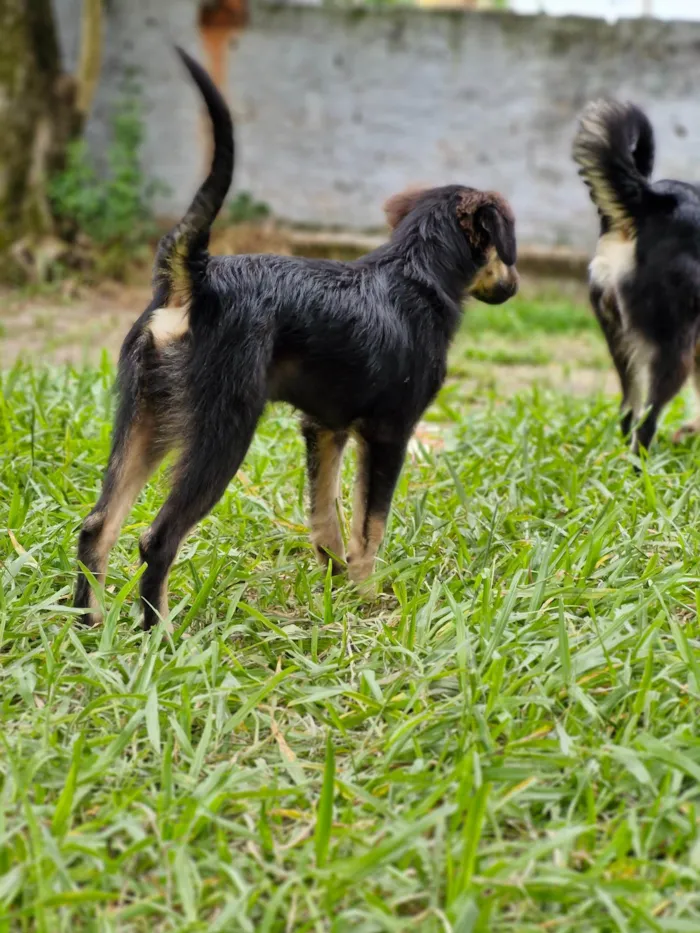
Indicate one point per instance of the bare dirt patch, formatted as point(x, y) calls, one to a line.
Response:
point(77, 330)
point(74, 324)
point(71, 327)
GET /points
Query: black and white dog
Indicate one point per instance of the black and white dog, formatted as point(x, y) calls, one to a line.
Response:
point(645, 276)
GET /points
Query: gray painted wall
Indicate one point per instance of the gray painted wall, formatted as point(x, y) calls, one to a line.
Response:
point(136, 45)
point(338, 110)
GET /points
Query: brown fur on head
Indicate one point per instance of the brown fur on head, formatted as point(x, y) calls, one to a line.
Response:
point(488, 220)
point(485, 216)
point(401, 205)
point(489, 225)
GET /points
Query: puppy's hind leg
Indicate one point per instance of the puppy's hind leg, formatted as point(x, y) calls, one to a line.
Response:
point(215, 451)
point(136, 452)
point(669, 369)
point(608, 315)
point(324, 458)
point(692, 427)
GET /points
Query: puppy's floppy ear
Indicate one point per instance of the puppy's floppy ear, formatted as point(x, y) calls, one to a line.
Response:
point(400, 205)
point(497, 222)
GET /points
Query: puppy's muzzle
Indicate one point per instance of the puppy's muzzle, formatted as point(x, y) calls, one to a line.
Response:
point(495, 282)
point(498, 293)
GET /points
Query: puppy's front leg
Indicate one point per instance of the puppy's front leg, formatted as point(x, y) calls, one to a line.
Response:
point(324, 458)
point(379, 466)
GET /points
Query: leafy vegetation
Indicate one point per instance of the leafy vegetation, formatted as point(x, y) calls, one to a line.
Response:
point(114, 210)
point(243, 208)
point(505, 740)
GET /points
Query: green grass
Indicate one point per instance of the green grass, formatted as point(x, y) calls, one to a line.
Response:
point(508, 356)
point(527, 314)
point(506, 740)
point(528, 331)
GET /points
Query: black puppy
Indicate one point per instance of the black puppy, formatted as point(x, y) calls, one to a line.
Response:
point(360, 347)
point(645, 276)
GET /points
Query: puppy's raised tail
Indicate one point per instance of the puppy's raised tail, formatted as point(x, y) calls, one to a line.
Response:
point(182, 254)
point(614, 149)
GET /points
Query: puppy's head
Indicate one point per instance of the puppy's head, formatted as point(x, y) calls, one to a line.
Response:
point(484, 218)
point(488, 222)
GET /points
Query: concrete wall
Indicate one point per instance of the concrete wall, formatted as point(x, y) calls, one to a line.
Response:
point(610, 9)
point(138, 39)
point(337, 110)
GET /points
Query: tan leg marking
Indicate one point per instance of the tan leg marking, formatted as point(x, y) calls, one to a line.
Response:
point(359, 503)
point(325, 497)
point(136, 464)
point(361, 560)
point(367, 531)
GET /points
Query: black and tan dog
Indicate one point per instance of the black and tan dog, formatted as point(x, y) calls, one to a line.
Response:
point(359, 347)
point(645, 276)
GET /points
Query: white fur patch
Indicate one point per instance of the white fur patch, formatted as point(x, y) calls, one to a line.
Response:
point(168, 324)
point(613, 261)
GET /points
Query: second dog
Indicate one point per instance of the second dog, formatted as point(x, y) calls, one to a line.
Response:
point(645, 276)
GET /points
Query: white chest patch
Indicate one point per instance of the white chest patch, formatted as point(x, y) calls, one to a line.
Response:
point(613, 261)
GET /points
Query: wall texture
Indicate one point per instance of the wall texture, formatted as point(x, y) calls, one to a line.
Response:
point(337, 110)
point(138, 39)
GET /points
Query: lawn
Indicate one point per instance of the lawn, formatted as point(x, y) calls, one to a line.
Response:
point(506, 739)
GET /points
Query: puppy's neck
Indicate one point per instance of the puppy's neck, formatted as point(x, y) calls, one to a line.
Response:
point(446, 272)
point(435, 252)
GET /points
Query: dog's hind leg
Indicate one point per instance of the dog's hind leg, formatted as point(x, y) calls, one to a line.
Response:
point(692, 427)
point(638, 387)
point(324, 458)
point(211, 459)
point(379, 466)
point(608, 315)
point(669, 369)
point(136, 452)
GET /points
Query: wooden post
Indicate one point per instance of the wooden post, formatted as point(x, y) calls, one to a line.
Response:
point(219, 23)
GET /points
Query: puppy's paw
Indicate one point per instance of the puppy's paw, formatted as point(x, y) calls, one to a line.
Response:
point(85, 599)
point(360, 569)
point(687, 430)
point(330, 548)
point(91, 619)
point(326, 556)
point(626, 424)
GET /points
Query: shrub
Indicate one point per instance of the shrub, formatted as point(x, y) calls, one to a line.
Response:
point(113, 210)
point(243, 208)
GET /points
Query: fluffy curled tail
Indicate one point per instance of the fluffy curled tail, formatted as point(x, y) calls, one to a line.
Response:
point(182, 254)
point(614, 149)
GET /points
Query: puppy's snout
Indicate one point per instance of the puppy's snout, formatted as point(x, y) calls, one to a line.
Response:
point(495, 283)
point(502, 290)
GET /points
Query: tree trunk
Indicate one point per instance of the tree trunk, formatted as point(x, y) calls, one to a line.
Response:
point(34, 101)
point(41, 110)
